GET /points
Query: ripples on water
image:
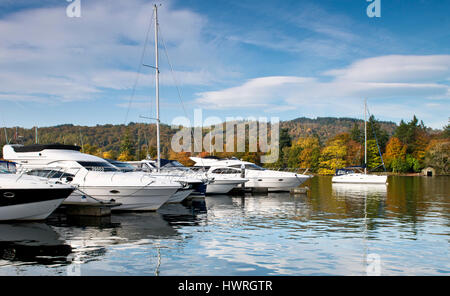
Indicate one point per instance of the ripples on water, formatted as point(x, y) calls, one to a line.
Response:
point(329, 231)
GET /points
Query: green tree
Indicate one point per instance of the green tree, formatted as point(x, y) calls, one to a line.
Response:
point(373, 155)
point(126, 147)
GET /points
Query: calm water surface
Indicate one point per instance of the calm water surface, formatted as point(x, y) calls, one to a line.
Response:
point(333, 230)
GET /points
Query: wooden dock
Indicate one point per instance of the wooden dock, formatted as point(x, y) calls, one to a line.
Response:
point(88, 209)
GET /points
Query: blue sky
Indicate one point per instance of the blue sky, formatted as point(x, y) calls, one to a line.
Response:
point(283, 59)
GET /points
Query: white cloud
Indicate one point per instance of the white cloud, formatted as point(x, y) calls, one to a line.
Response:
point(412, 78)
point(43, 53)
point(396, 68)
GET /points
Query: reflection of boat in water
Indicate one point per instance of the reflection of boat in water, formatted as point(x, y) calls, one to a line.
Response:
point(135, 227)
point(218, 201)
point(183, 214)
point(32, 242)
point(359, 190)
point(91, 241)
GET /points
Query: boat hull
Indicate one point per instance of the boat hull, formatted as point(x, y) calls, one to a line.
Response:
point(132, 198)
point(274, 184)
point(221, 186)
point(360, 179)
point(30, 204)
point(180, 195)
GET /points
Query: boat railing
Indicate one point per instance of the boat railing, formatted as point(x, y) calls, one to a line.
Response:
point(50, 173)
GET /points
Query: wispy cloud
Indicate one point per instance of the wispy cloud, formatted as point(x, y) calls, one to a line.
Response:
point(388, 77)
point(44, 53)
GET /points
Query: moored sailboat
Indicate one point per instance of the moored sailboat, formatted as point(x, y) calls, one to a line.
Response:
point(348, 175)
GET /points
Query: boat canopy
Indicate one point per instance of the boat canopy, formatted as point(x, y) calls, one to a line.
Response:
point(348, 170)
point(39, 147)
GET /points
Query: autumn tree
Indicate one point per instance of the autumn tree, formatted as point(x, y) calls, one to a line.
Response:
point(92, 149)
point(395, 155)
point(181, 157)
point(332, 157)
point(310, 153)
point(437, 156)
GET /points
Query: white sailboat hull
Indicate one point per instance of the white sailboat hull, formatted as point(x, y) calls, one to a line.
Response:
point(360, 179)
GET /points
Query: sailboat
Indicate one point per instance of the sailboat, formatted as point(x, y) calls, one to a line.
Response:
point(348, 175)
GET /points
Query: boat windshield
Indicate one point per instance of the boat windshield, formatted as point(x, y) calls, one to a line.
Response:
point(341, 172)
point(97, 166)
point(7, 167)
point(4, 171)
point(48, 173)
point(123, 166)
point(175, 163)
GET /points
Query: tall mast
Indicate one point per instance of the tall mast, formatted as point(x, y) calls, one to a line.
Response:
point(365, 137)
point(158, 147)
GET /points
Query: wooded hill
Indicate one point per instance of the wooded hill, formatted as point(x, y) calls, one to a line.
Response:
point(322, 145)
point(109, 137)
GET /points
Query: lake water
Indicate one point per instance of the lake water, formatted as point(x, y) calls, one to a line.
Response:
point(399, 229)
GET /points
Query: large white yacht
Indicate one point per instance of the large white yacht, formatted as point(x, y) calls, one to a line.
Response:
point(93, 176)
point(24, 197)
point(258, 177)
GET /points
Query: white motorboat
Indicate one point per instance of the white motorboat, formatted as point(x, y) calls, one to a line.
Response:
point(217, 180)
point(224, 179)
point(258, 177)
point(348, 175)
point(24, 197)
point(93, 176)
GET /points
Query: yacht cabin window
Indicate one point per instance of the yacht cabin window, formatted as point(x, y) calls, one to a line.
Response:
point(226, 171)
point(97, 166)
point(47, 173)
point(250, 166)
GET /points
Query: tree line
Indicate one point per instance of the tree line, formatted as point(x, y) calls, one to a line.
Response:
point(322, 145)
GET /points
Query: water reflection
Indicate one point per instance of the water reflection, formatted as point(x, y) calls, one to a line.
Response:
point(34, 243)
point(359, 190)
point(328, 231)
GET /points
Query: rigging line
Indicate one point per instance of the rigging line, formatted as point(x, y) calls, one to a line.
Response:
point(139, 68)
point(376, 140)
point(172, 72)
point(176, 82)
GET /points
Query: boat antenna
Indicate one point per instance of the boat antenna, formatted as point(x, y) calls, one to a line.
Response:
point(36, 135)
